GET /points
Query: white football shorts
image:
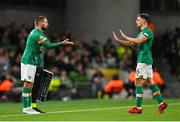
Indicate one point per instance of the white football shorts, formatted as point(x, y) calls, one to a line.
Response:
point(28, 72)
point(144, 71)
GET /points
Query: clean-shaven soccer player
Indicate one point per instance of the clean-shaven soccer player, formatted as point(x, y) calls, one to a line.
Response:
point(144, 72)
point(32, 58)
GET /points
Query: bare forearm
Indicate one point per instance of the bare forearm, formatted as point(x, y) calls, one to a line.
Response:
point(133, 40)
point(125, 43)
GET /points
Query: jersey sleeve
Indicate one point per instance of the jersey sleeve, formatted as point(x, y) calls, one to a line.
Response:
point(40, 38)
point(147, 33)
point(50, 45)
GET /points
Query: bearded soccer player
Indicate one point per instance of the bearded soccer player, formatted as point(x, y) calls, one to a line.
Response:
point(32, 59)
point(144, 72)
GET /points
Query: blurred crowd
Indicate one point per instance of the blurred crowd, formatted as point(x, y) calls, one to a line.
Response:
point(170, 45)
point(87, 62)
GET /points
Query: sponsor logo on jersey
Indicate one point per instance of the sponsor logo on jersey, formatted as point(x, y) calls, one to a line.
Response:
point(42, 37)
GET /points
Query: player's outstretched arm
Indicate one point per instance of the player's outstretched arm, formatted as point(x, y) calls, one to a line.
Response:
point(123, 42)
point(50, 45)
point(133, 40)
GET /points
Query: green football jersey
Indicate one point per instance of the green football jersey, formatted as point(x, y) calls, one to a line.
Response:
point(144, 53)
point(33, 53)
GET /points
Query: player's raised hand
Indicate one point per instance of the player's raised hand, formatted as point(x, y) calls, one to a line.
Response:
point(115, 37)
point(122, 34)
point(66, 41)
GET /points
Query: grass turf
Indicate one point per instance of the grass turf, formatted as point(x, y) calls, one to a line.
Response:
point(92, 110)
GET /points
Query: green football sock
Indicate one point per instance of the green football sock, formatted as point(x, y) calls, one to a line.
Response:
point(30, 97)
point(139, 96)
point(25, 97)
point(156, 93)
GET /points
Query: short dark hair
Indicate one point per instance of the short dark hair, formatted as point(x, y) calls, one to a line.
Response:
point(144, 16)
point(39, 19)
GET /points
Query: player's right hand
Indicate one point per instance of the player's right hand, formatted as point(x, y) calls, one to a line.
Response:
point(66, 41)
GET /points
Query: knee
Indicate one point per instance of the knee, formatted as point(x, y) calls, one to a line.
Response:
point(150, 82)
point(28, 84)
point(139, 82)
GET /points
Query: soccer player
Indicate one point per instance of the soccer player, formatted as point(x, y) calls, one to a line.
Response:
point(32, 59)
point(144, 71)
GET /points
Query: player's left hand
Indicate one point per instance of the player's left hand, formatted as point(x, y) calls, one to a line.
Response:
point(115, 37)
point(66, 41)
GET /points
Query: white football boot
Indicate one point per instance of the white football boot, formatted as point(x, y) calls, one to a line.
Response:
point(29, 110)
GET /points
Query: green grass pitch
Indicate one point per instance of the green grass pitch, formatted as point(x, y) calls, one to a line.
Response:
point(92, 110)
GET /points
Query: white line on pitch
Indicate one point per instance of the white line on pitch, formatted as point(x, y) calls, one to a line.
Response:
point(84, 110)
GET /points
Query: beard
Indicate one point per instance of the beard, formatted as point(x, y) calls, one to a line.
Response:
point(43, 28)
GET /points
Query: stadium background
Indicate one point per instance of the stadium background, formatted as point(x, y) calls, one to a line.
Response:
point(89, 24)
